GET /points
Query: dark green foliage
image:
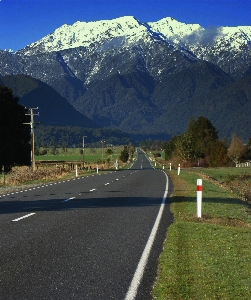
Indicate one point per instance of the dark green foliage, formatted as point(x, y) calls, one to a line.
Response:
point(43, 152)
point(73, 136)
point(200, 141)
point(202, 135)
point(14, 135)
point(109, 152)
point(170, 148)
point(151, 144)
point(247, 154)
point(54, 148)
point(64, 147)
point(217, 156)
point(124, 155)
point(122, 100)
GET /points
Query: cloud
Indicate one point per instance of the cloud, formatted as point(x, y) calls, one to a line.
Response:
point(204, 36)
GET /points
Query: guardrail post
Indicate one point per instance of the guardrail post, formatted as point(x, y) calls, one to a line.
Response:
point(199, 197)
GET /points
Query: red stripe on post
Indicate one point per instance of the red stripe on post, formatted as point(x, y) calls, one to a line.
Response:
point(199, 188)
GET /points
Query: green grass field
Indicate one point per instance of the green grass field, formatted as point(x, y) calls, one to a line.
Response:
point(92, 155)
point(207, 258)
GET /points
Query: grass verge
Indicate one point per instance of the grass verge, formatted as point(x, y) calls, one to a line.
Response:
point(207, 258)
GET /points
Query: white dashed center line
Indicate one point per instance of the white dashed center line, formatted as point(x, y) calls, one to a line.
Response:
point(68, 199)
point(26, 216)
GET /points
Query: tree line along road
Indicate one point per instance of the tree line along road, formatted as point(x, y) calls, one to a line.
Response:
point(96, 237)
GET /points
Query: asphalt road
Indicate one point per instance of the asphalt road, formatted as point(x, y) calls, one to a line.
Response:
point(96, 237)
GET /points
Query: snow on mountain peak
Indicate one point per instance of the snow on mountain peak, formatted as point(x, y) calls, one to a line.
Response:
point(170, 27)
point(86, 33)
point(129, 30)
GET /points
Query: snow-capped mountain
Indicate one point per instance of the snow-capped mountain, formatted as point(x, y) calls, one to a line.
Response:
point(117, 71)
point(228, 47)
point(126, 31)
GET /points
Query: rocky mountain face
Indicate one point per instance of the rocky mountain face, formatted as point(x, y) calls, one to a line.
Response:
point(145, 77)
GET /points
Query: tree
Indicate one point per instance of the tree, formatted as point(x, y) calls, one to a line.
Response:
point(199, 141)
point(185, 147)
point(247, 152)
point(14, 134)
point(109, 152)
point(64, 147)
point(218, 154)
point(170, 148)
point(124, 155)
point(236, 149)
point(53, 148)
point(202, 135)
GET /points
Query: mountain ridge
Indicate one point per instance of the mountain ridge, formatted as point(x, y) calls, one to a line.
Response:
point(128, 74)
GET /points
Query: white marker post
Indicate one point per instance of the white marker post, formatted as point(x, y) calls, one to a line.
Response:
point(76, 170)
point(170, 166)
point(179, 169)
point(199, 197)
point(97, 168)
point(163, 167)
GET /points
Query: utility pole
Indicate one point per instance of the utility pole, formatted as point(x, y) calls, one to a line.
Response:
point(102, 142)
point(32, 136)
point(84, 150)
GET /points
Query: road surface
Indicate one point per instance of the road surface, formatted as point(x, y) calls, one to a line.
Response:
point(96, 237)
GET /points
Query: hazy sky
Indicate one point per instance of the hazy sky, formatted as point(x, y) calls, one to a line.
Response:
point(25, 21)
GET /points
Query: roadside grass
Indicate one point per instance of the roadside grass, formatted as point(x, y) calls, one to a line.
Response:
point(227, 174)
point(210, 257)
point(237, 180)
point(20, 176)
point(23, 175)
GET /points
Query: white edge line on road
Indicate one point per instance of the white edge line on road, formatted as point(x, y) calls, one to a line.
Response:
point(26, 216)
point(133, 289)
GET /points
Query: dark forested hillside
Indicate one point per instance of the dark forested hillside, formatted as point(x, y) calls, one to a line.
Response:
point(53, 108)
point(60, 122)
point(136, 103)
point(120, 100)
